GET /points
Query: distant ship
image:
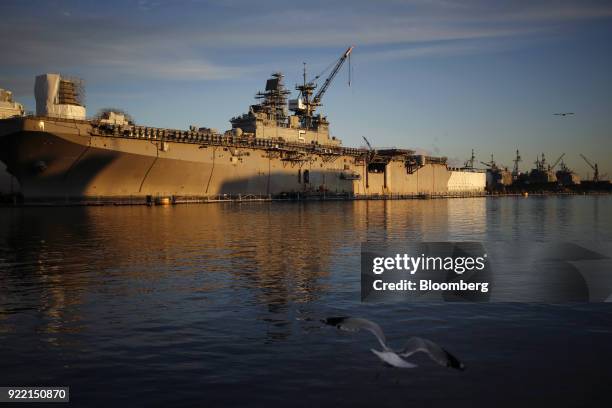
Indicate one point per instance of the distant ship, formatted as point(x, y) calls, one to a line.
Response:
point(544, 173)
point(277, 148)
point(566, 176)
point(8, 107)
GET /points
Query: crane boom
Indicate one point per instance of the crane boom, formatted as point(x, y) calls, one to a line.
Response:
point(319, 95)
point(587, 161)
point(557, 162)
point(594, 167)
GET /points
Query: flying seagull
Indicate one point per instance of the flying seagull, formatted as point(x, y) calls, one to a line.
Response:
point(394, 357)
point(563, 113)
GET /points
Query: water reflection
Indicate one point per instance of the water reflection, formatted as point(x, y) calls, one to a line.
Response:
point(275, 255)
point(271, 254)
point(193, 295)
point(37, 274)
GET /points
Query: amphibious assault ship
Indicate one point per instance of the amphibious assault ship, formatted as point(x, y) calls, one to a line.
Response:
point(280, 147)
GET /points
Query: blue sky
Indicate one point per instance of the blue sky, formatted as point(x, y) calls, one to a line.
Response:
point(438, 75)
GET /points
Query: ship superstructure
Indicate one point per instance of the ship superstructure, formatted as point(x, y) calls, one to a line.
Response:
point(59, 97)
point(295, 120)
point(566, 176)
point(541, 173)
point(8, 107)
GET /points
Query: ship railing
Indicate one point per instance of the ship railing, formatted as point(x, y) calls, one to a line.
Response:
point(197, 137)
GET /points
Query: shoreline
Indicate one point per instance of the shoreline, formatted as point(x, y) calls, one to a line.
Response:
point(17, 201)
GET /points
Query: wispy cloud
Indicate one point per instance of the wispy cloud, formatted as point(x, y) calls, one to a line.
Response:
point(191, 40)
point(181, 69)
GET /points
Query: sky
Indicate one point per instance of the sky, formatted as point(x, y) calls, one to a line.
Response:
point(442, 76)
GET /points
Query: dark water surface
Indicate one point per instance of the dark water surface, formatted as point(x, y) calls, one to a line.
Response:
point(199, 304)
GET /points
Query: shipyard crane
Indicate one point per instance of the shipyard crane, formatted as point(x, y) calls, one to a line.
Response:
point(556, 162)
point(594, 167)
point(317, 99)
point(368, 143)
point(490, 164)
point(371, 151)
point(306, 104)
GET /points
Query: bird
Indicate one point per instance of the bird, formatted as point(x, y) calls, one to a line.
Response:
point(396, 358)
point(563, 113)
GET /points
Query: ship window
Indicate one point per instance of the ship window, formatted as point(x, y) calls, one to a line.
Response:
point(306, 176)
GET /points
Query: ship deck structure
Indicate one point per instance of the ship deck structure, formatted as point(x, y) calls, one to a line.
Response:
point(279, 147)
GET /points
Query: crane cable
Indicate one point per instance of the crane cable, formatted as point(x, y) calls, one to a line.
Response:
point(349, 70)
point(315, 79)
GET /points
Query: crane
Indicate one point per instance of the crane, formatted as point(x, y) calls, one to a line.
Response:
point(317, 99)
point(306, 104)
point(593, 166)
point(490, 164)
point(368, 143)
point(556, 162)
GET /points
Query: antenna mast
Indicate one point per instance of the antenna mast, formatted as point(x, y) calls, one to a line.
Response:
point(517, 160)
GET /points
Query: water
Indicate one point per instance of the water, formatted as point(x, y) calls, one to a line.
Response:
point(199, 304)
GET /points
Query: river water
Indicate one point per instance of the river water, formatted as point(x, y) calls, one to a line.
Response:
point(217, 305)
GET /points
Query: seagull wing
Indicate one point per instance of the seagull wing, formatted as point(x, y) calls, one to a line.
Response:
point(393, 359)
point(354, 324)
point(437, 353)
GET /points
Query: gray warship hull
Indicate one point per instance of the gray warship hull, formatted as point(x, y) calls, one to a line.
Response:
point(61, 159)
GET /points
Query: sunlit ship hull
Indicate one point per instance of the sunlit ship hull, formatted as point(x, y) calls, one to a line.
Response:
point(56, 159)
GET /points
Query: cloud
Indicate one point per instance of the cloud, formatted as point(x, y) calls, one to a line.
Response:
point(191, 40)
point(395, 22)
point(182, 69)
point(124, 51)
point(428, 50)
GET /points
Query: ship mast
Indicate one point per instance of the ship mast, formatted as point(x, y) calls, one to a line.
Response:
point(469, 164)
point(517, 160)
point(274, 99)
